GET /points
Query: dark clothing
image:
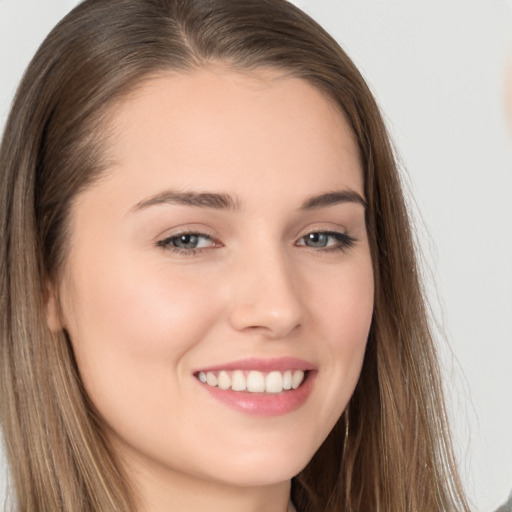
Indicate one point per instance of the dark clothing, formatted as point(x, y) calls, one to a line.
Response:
point(507, 507)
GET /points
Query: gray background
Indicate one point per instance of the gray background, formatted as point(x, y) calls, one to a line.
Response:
point(437, 69)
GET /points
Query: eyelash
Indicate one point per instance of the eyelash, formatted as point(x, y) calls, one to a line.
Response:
point(167, 243)
point(343, 242)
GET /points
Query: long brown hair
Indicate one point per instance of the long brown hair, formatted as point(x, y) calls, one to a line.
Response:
point(390, 450)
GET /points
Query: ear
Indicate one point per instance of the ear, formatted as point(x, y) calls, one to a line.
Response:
point(52, 307)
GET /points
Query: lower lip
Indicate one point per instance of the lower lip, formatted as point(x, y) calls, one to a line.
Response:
point(264, 404)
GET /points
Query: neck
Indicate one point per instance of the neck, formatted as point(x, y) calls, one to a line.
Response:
point(163, 492)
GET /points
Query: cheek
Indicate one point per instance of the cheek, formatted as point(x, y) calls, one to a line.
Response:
point(141, 312)
point(344, 309)
point(343, 302)
point(131, 328)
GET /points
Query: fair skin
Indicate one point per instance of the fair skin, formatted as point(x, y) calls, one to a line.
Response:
point(269, 273)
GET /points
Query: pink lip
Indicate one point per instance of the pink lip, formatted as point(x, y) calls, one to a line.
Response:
point(264, 404)
point(280, 364)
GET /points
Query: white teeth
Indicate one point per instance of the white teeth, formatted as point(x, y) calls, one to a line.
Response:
point(211, 379)
point(287, 379)
point(224, 382)
point(253, 381)
point(238, 382)
point(297, 379)
point(274, 382)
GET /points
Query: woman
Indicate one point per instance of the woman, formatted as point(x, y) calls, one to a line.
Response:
point(210, 298)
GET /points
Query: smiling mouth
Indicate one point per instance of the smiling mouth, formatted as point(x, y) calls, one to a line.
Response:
point(253, 381)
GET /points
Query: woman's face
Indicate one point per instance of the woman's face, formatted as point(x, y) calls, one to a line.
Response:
point(226, 243)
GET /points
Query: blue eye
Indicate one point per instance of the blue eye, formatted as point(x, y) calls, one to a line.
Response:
point(330, 240)
point(317, 240)
point(187, 242)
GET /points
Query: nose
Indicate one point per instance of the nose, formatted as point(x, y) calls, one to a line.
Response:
point(266, 295)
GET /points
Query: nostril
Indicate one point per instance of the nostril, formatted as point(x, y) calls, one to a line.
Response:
point(265, 296)
point(257, 318)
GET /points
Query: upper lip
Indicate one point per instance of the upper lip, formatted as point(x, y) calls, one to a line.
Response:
point(262, 365)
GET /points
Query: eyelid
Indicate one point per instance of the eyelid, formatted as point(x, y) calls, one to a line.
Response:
point(344, 240)
point(165, 242)
point(192, 228)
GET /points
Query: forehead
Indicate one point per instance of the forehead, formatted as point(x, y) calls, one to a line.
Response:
point(217, 124)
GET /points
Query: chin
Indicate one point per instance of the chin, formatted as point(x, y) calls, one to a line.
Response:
point(263, 470)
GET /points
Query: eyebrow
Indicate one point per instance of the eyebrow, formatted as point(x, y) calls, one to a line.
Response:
point(219, 201)
point(332, 198)
point(197, 199)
